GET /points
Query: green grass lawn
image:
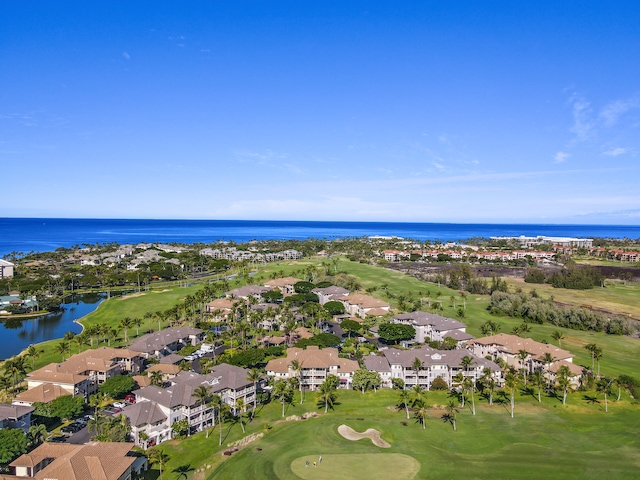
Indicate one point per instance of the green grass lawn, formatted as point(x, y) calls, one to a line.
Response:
point(543, 440)
point(578, 440)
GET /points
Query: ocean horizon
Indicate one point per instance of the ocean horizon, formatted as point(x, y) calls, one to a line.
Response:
point(46, 234)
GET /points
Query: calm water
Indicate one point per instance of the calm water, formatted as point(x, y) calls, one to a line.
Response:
point(16, 335)
point(46, 234)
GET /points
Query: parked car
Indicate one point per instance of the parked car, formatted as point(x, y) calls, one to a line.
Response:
point(71, 428)
point(206, 348)
point(56, 439)
point(130, 398)
point(119, 405)
point(190, 358)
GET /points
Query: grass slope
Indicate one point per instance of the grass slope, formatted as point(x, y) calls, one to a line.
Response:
point(574, 441)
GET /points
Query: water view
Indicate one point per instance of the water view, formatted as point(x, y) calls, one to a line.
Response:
point(16, 335)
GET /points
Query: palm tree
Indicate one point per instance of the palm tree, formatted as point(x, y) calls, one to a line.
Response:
point(597, 356)
point(405, 399)
point(452, 413)
point(458, 378)
point(94, 401)
point(469, 385)
point(591, 348)
point(33, 353)
point(548, 359)
point(562, 379)
point(16, 368)
point(97, 425)
point(254, 375)
point(489, 383)
point(62, 348)
point(296, 366)
point(327, 394)
point(421, 413)
point(36, 434)
point(416, 365)
point(417, 395)
point(137, 321)
point(558, 336)
point(538, 381)
point(281, 389)
point(523, 355)
point(240, 412)
point(202, 394)
point(510, 383)
point(156, 378)
point(125, 324)
point(159, 458)
point(604, 386)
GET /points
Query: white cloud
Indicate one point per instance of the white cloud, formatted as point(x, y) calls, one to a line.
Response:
point(439, 166)
point(582, 122)
point(614, 152)
point(614, 110)
point(126, 55)
point(561, 156)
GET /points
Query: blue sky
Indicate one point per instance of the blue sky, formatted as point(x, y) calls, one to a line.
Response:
point(432, 111)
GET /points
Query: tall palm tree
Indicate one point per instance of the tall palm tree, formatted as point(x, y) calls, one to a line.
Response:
point(538, 380)
point(327, 394)
point(254, 375)
point(511, 383)
point(33, 353)
point(591, 348)
point(597, 356)
point(522, 356)
point(604, 387)
point(452, 413)
point(548, 359)
point(562, 380)
point(489, 383)
point(137, 322)
point(558, 336)
point(421, 413)
point(281, 389)
point(62, 348)
point(417, 395)
point(405, 400)
point(296, 366)
point(125, 325)
point(202, 394)
point(240, 412)
point(158, 457)
point(416, 365)
point(469, 386)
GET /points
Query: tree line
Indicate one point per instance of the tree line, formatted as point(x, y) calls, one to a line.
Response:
point(534, 309)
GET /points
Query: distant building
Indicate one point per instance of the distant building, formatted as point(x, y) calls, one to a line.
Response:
point(15, 416)
point(6, 269)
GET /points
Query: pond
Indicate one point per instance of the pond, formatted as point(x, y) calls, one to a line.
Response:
point(16, 335)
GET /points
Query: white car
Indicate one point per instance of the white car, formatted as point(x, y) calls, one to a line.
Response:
point(119, 404)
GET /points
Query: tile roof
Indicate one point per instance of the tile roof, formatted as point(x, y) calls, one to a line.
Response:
point(93, 461)
point(44, 393)
point(437, 322)
point(312, 357)
point(143, 413)
point(152, 342)
point(430, 356)
point(513, 344)
point(13, 412)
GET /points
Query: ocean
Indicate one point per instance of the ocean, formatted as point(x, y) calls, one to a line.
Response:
point(47, 234)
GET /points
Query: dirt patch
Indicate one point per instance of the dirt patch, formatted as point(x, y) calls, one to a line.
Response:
point(371, 433)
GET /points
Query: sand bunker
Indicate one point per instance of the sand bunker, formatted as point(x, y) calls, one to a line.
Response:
point(371, 433)
point(132, 295)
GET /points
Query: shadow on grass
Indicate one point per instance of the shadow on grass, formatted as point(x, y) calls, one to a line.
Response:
point(590, 399)
point(183, 470)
